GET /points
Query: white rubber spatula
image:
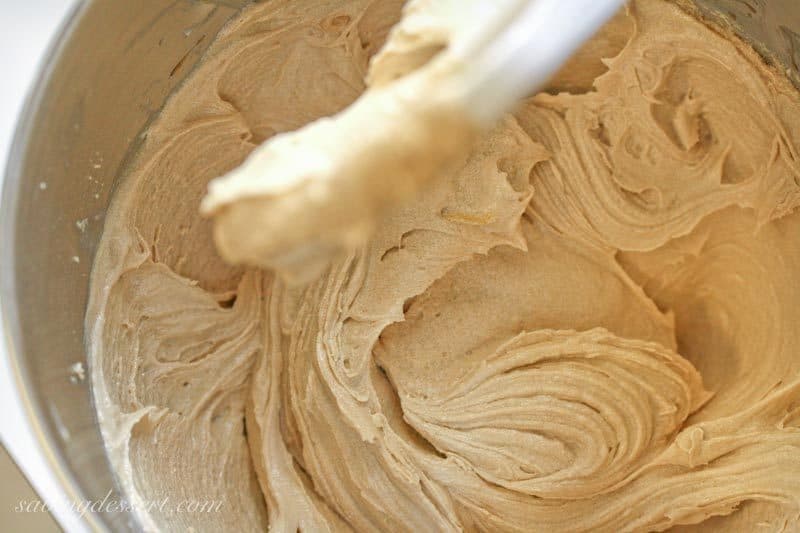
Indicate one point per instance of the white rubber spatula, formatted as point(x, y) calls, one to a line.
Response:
point(523, 47)
point(304, 196)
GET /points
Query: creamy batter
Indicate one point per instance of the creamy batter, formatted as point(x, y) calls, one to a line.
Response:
point(588, 323)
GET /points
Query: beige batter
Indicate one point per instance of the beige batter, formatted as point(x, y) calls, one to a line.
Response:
point(589, 323)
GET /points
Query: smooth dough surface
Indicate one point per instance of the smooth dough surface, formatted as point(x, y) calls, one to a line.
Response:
point(590, 323)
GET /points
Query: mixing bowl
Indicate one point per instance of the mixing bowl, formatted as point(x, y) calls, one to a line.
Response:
point(108, 73)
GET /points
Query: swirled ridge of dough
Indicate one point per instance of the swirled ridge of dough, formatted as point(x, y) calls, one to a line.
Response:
point(587, 324)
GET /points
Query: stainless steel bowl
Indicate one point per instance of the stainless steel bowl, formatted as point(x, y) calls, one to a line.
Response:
point(109, 72)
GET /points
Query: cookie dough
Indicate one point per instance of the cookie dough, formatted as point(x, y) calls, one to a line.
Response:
point(587, 323)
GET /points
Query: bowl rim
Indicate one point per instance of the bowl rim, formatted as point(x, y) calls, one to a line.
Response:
point(33, 447)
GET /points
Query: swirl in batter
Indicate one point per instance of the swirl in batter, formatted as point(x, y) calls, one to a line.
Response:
point(588, 324)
